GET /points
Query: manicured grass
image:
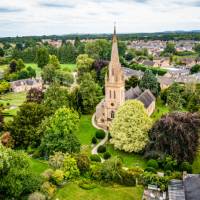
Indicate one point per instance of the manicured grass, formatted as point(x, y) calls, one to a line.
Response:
point(161, 110)
point(196, 164)
point(86, 131)
point(73, 192)
point(129, 159)
point(15, 100)
point(38, 166)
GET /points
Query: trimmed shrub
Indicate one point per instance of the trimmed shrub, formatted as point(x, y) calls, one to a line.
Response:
point(48, 189)
point(87, 185)
point(153, 163)
point(94, 140)
point(58, 176)
point(106, 155)
point(100, 134)
point(95, 158)
point(83, 163)
point(101, 149)
point(186, 166)
point(47, 174)
point(128, 178)
point(36, 196)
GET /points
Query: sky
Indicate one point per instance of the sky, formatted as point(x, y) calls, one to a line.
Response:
point(48, 17)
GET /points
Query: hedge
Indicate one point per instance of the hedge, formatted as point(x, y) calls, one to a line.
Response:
point(155, 70)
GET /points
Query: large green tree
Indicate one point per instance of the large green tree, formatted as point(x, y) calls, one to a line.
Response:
point(55, 97)
point(42, 57)
point(24, 125)
point(176, 134)
point(149, 81)
point(91, 93)
point(16, 177)
point(99, 49)
point(129, 129)
point(84, 64)
point(59, 132)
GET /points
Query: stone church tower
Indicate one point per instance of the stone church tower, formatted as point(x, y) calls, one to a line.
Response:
point(114, 89)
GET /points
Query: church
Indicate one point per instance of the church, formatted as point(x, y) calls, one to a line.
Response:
point(115, 94)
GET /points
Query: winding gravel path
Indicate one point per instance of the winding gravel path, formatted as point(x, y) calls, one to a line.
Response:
point(94, 150)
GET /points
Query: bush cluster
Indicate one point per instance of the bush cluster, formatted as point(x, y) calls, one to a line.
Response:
point(100, 134)
point(95, 158)
point(106, 155)
point(94, 140)
point(101, 149)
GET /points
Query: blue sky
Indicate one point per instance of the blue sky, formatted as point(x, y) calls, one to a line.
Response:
point(45, 17)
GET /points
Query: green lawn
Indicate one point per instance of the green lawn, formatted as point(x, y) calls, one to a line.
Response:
point(129, 159)
point(14, 100)
point(161, 109)
point(38, 166)
point(73, 192)
point(196, 164)
point(86, 131)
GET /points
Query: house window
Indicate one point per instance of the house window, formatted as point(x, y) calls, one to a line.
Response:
point(112, 114)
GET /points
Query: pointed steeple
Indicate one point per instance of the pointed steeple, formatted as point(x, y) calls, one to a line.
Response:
point(115, 53)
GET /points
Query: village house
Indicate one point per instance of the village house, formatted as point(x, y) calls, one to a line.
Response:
point(115, 94)
point(26, 84)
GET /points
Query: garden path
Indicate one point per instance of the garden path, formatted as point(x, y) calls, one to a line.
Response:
point(94, 150)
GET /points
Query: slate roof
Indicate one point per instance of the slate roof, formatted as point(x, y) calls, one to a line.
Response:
point(176, 190)
point(192, 187)
point(131, 72)
point(133, 93)
point(148, 63)
point(146, 98)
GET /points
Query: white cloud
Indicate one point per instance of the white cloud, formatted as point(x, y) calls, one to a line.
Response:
point(38, 17)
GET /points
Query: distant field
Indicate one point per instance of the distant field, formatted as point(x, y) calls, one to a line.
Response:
point(73, 192)
point(70, 67)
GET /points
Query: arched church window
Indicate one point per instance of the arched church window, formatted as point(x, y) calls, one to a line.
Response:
point(114, 95)
point(110, 94)
point(112, 114)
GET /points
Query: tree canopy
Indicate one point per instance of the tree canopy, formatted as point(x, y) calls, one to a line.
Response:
point(59, 132)
point(129, 129)
point(176, 134)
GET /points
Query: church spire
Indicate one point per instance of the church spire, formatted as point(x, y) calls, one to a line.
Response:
point(115, 53)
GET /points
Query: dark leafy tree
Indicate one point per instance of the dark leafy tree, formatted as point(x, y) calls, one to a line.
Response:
point(2, 52)
point(131, 82)
point(24, 125)
point(149, 81)
point(176, 134)
point(195, 69)
point(35, 95)
point(91, 93)
point(13, 66)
